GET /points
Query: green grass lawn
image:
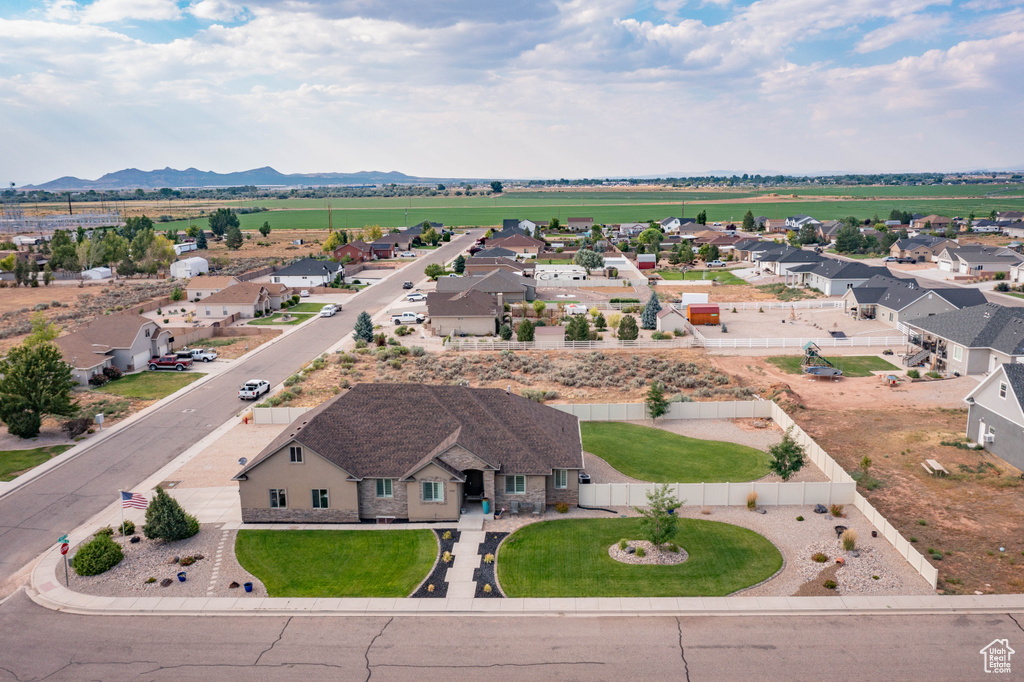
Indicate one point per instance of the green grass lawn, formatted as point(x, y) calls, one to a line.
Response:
point(306, 308)
point(651, 454)
point(555, 261)
point(150, 385)
point(298, 318)
point(720, 276)
point(16, 462)
point(569, 558)
point(852, 365)
point(1012, 293)
point(337, 563)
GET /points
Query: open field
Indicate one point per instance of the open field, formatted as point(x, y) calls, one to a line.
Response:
point(852, 365)
point(278, 318)
point(16, 462)
point(337, 563)
point(570, 559)
point(150, 385)
point(650, 454)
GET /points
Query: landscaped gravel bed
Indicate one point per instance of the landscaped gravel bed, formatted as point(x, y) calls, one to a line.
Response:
point(857, 575)
point(153, 558)
point(485, 574)
point(437, 576)
point(651, 556)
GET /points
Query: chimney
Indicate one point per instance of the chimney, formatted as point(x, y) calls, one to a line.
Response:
point(501, 303)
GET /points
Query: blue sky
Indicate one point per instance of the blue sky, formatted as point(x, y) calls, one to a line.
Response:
point(521, 88)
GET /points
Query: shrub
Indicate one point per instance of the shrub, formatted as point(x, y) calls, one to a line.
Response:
point(361, 343)
point(488, 558)
point(446, 557)
point(150, 579)
point(187, 560)
point(1002, 286)
point(487, 588)
point(849, 539)
point(562, 507)
point(104, 531)
point(380, 339)
point(922, 522)
point(167, 520)
point(98, 380)
point(640, 552)
point(830, 584)
point(416, 351)
point(97, 556)
point(403, 331)
point(660, 336)
point(623, 544)
point(913, 374)
point(76, 426)
point(112, 373)
point(127, 528)
point(836, 510)
point(799, 518)
point(430, 587)
point(1000, 276)
point(936, 556)
point(672, 547)
point(913, 539)
point(392, 342)
point(751, 500)
point(447, 535)
point(819, 557)
point(933, 375)
point(725, 329)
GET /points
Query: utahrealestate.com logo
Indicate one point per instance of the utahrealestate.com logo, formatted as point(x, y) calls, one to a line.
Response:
point(997, 656)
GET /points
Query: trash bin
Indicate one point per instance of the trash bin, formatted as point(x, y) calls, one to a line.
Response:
point(487, 506)
point(584, 478)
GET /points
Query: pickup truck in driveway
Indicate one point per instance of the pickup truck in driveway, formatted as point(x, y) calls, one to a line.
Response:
point(170, 362)
point(408, 318)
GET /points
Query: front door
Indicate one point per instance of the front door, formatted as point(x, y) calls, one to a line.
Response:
point(981, 432)
point(474, 485)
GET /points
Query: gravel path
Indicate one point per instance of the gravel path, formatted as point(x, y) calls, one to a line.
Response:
point(602, 472)
point(207, 577)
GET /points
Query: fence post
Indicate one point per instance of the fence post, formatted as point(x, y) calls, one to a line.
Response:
point(702, 494)
point(803, 492)
point(728, 497)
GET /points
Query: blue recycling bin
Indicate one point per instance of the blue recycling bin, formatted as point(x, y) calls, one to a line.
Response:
point(487, 506)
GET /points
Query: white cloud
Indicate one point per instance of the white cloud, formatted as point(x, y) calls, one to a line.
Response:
point(917, 27)
point(217, 10)
point(112, 11)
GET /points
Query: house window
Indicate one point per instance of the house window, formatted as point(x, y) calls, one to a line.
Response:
point(320, 498)
point(224, 311)
point(433, 491)
point(295, 454)
point(147, 333)
point(1002, 390)
point(384, 487)
point(207, 311)
point(515, 485)
point(958, 353)
point(277, 498)
point(561, 478)
point(890, 317)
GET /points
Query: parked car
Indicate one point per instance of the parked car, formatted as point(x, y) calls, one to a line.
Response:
point(407, 285)
point(253, 389)
point(910, 261)
point(170, 362)
point(202, 354)
point(890, 259)
point(715, 264)
point(304, 293)
point(329, 310)
point(407, 254)
point(416, 296)
point(408, 318)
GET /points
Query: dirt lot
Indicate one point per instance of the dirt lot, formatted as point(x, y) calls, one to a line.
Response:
point(814, 322)
point(716, 294)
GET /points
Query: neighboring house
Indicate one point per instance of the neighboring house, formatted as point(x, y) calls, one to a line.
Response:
point(995, 413)
point(478, 265)
point(579, 224)
point(974, 340)
point(1009, 216)
point(934, 222)
point(347, 460)
point(922, 248)
point(833, 277)
point(972, 259)
point(776, 225)
point(626, 230)
point(189, 267)
point(470, 312)
point(358, 251)
point(670, 224)
point(123, 341)
point(398, 241)
point(795, 222)
point(519, 244)
point(780, 261)
point(986, 229)
point(495, 253)
point(741, 249)
point(900, 301)
point(646, 261)
point(527, 227)
point(760, 222)
point(670, 319)
point(512, 287)
point(384, 247)
point(200, 287)
point(244, 299)
point(1016, 274)
point(1014, 230)
point(278, 293)
point(560, 273)
point(827, 230)
point(308, 272)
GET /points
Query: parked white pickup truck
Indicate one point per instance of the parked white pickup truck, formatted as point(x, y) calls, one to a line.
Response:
point(408, 318)
point(253, 389)
point(203, 354)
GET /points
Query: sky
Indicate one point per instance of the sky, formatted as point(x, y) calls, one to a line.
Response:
point(520, 88)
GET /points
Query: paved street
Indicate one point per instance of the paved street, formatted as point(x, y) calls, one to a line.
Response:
point(35, 515)
point(542, 648)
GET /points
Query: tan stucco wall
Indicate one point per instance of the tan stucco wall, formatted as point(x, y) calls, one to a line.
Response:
point(434, 511)
point(217, 310)
point(474, 326)
point(298, 480)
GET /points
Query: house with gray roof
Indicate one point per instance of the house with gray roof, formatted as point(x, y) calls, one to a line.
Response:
point(899, 301)
point(124, 340)
point(795, 222)
point(514, 288)
point(974, 259)
point(414, 452)
point(780, 261)
point(496, 252)
point(469, 312)
point(833, 277)
point(995, 413)
point(481, 266)
point(973, 340)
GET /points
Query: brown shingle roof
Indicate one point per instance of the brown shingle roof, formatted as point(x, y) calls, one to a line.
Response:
point(214, 282)
point(389, 430)
point(493, 282)
point(101, 335)
point(246, 292)
point(515, 240)
point(469, 303)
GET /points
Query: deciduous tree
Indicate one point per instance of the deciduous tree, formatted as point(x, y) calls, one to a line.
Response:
point(35, 382)
point(787, 457)
point(221, 219)
point(588, 259)
point(659, 521)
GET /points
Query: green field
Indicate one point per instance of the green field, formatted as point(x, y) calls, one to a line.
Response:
point(337, 563)
point(150, 385)
point(276, 318)
point(650, 454)
point(16, 462)
point(570, 558)
point(852, 365)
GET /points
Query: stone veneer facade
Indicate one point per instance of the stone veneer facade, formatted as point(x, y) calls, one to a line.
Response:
point(536, 493)
point(370, 506)
point(252, 515)
point(462, 459)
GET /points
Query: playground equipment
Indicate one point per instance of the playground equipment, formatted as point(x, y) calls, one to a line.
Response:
point(817, 366)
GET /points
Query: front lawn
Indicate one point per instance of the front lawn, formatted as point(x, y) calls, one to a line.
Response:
point(852, 365)
point(152, 385)
point(720, 276)
point(276, 318)
point(337, 563)
point(569, 558)
point(651, 454)
point(305, 308)
point(13, 463)
point(555, 261)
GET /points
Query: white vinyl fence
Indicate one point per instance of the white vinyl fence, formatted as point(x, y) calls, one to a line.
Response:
point(619, 412)
point(277, 415)
point(773, 305)
point(720, 494)
point(694, 341)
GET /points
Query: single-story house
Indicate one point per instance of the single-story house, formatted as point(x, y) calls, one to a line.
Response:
point(199, 288)
point(495, 253)
point(1009, 216)
point(974, 340)
point(481, 266)
point(1014, 230)
point(899, 301)
point(995, 413)
point(922, 248)
point(554, 274)
point(246, 299)
point(780, 261)
point(278, 294)
point(308, 272)
point(973, 259)
point(469, 312)
point(934, 222)
point(579, 224)
point(514, 288)
point(671, 319)
point(358, 252)
point(189, 267)
point(519, 244)
point(124, 341)
point(399, 241)
point(346, 461)
point(833, 277)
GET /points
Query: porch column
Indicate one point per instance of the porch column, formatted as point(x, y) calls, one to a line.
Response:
point(489, 486)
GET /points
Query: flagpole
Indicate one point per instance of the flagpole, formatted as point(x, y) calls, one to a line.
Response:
point(120, 497)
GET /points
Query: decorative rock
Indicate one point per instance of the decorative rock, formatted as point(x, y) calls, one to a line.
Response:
point(631, 550)
point(165, 582)
point(234, 585)
point(198, 557)
point(854, 553)
point(820, 509)
point(762, 511)
point(135, 539)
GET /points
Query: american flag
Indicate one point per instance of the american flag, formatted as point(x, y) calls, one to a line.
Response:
point(133, 501)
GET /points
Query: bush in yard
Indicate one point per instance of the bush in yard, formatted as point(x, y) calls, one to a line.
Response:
point(1002, 286)
point(787, 457)
point(849, 539)
point(623, 544)
point(913, 374)
point(97, 556)
point(562, 507)
point(98, 380)
point(112, 373)
point(381, 339)
point(830, 584)
point(836, 510)
point(640, 552)
point(76, 426)
point(525, 331)
point(658, 523)
point(751, 500)
point(166, 519)
point(403, 331)
point(819, 557)
point(660, 336)
point(505, 332)
point(104, 531)
point(655, 400)
point(127, 528)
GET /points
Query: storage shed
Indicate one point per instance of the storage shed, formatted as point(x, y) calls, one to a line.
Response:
point(702, 313)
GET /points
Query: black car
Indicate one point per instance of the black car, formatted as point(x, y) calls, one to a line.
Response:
point(407, 285)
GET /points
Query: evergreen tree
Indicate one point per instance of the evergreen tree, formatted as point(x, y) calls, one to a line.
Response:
point(657, 405)
point(221, 220)
point(649, 317)
point(172, 235)
point(748, 222)
point(47, 274)
point(233, 239)
point(201, 239)
point(459, 265)
point(685, 253)
point(600, 322)
point(525, 331)
point(628, 331)
point(578, 329)
point(364, 327)
point(702, 218)
point(165, 519)
point(505, 332)
point(265, 229)
point(20, 272)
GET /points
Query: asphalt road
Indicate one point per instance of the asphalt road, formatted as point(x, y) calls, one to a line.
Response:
point(35, 515)
point(928, 648)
